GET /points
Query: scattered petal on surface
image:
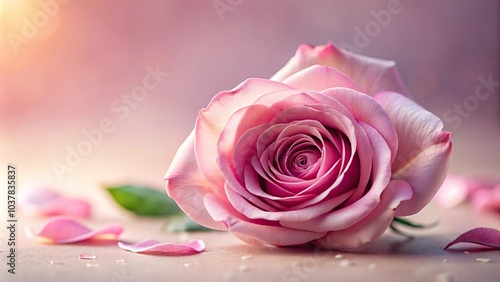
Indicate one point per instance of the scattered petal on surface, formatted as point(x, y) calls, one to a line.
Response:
point(482, 193)
point(155, 247)
point(41, 201)
point(486, 199)
point(453, 191)
point(488, 237)
point(63, 230)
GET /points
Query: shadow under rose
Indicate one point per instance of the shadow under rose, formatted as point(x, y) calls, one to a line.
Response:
point(388, 244)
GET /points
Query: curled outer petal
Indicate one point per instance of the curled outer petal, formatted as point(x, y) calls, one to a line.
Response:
point(424, 149)
point(371, 74)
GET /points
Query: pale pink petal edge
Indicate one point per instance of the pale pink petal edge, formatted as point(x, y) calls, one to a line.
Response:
point(153, 246)
point(39, 201)
point(111, 231)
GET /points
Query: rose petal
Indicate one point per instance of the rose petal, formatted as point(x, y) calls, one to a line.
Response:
point(40, 201)
point(291, 113)
point(63, 230)
point(155, 247)
point(372, 75)
point(349, 215)
point(453, 191)
point(486, 199)
point(372, 226)
point(368, 110)
point(295, 215)
point(235, 184)
point(488, 237)
point(319, 78)
point(187, 186)
point(255, 231)
point(35, 194)
point(424, 149)
point(241, 123)
point(214, 117)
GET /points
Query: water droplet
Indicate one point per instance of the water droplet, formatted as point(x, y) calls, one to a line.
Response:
point(92, 264)
point(57, 262)
point(445, 277)
point(86, 256)
point(485, 260)
point(120, 261)
point(445, 260)
point(339, 256)
point(246, 257)
point(188, 264)
point(372, 266)
point(346, 263)
point(243, 267)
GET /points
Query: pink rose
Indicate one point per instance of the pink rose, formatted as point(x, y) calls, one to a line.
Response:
point(328, 151)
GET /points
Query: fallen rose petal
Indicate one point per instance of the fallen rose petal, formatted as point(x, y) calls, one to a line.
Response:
point(486, 199)
point(63, 230)
point(488, 237)
point(154, 247)
point(40, 201)
point(453, 191)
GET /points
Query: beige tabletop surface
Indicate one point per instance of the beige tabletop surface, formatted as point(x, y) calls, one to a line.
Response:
point(391, 258)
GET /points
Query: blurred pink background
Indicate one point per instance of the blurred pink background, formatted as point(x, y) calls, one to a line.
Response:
point(65, 67)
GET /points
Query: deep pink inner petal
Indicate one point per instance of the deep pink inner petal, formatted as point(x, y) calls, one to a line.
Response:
point(304, 148)
point(306, 157)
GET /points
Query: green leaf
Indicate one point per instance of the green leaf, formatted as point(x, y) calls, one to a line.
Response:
point(409, 224)
point(182, 223)
point(396, 230)
point(144, 201)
